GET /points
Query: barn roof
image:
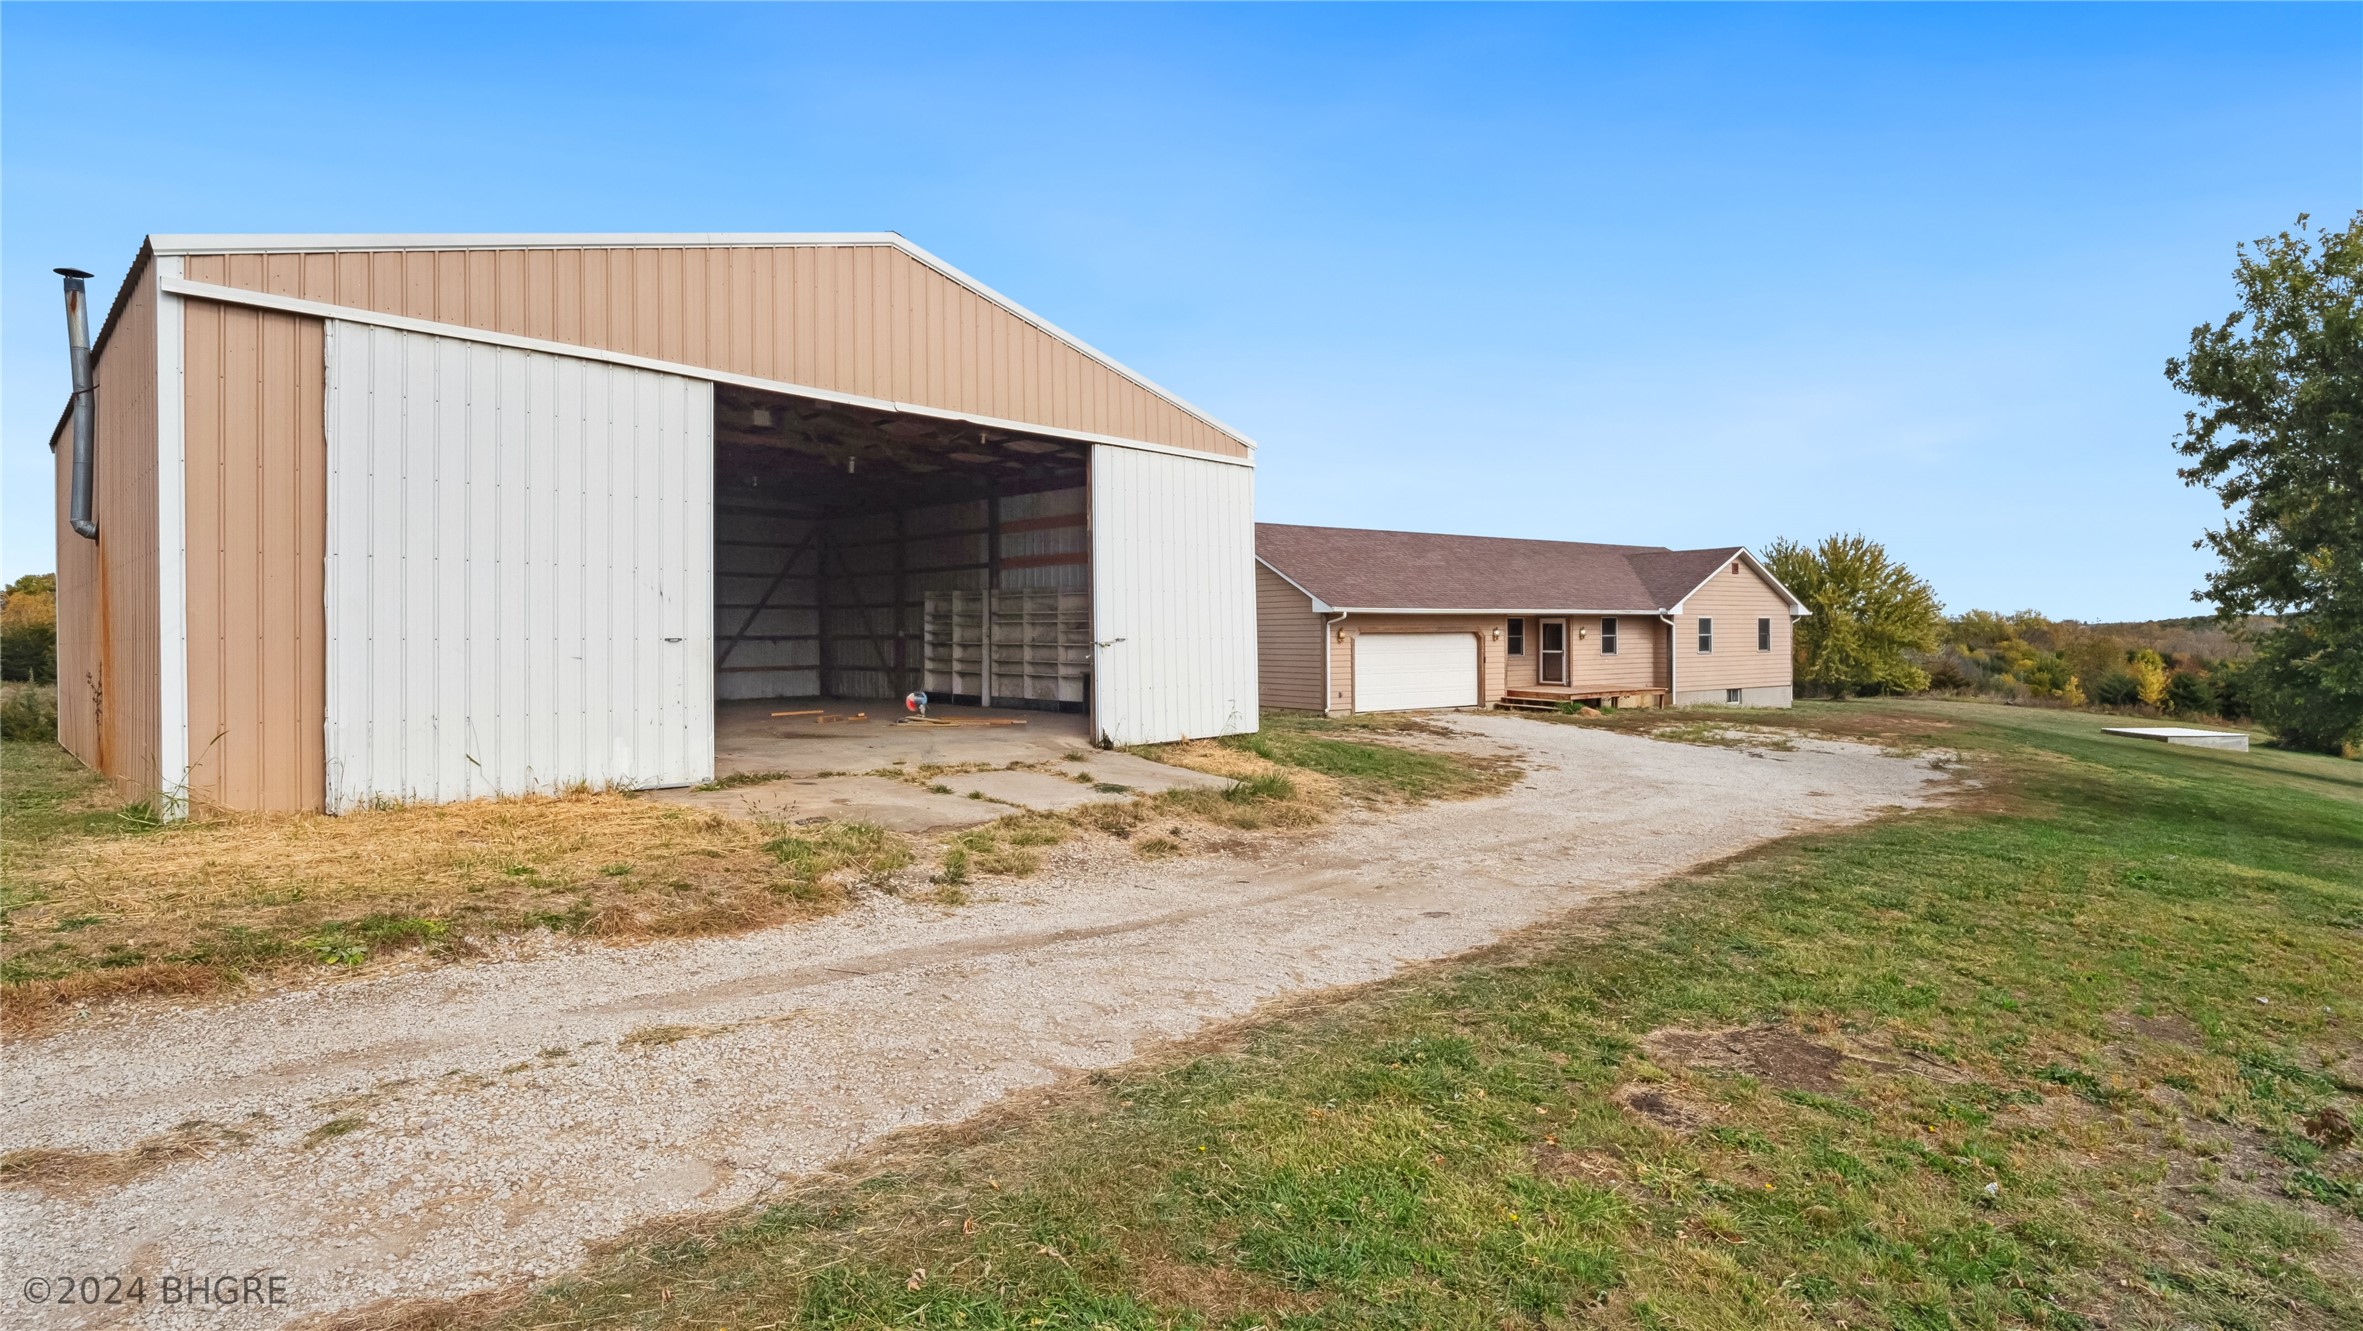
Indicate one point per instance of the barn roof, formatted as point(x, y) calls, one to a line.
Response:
point(923, 334)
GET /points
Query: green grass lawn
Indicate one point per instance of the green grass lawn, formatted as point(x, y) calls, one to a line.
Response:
point(2088, 1014)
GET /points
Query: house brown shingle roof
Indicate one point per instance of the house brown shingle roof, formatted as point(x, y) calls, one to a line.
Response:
point(1351, 568)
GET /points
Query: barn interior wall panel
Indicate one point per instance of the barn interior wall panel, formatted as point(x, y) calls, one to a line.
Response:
point(766, 597)
point(520, 571)
point(873, 566)
point(1173, 596)
point(867, 580)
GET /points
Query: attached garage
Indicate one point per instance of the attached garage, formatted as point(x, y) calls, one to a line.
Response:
point(434, 518)
point(1401, 672)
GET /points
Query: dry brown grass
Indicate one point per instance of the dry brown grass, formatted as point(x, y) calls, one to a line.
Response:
point(183, 908)
point(427, 860)
point(101, 904)
point(62, 1172)
point(1315, 791)
point(1269, 797)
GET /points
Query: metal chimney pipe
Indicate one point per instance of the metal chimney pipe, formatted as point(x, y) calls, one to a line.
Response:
point(78, 344)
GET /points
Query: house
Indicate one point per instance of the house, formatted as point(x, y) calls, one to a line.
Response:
point(1374, 621)
point(418, 517)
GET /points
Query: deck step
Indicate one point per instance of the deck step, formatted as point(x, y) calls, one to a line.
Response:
point(1536, 700)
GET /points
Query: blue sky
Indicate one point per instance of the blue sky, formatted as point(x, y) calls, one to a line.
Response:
point(1675, 275)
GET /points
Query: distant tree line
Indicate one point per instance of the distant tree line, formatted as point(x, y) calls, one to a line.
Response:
point(1875, 627)
point(2025, 657)
point(2278, 436)
point(28, 629)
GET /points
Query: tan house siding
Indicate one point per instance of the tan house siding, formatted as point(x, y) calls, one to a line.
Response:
point(853, 318)
point(1640, 659)
point(1490, 668)
point(257, 467)
point(1287, 644)
point(107, 664)
point(1734, 600)
point(1520, 671)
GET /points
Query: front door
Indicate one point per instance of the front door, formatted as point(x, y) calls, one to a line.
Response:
point(1552, 666)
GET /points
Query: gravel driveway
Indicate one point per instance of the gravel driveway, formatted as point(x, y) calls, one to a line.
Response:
point(437, 1131)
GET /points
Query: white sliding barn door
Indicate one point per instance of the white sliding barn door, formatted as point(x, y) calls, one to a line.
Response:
point(1172, 596)
point(520, 571)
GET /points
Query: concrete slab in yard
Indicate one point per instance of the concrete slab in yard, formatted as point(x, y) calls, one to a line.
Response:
point(1141, 774)
point(2202, 739)
point(1034, 790)
point(866, 799)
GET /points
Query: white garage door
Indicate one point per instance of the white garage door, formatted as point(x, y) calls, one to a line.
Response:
point(1395, 672)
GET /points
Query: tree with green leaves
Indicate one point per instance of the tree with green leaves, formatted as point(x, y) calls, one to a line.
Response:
point(2278, 436)
point(1868, 613)
point(28, 629)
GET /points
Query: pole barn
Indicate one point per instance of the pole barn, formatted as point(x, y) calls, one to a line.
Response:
point(427, 518)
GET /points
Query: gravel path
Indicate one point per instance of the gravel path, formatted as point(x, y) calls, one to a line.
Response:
point(498, 1116)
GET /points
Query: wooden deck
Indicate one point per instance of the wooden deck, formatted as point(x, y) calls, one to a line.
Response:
point(1549, 697)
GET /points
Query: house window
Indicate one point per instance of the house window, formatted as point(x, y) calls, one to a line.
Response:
point(1764, 635)
point(1608, 637)
point(1731, 695)
point(1706, 635)
point(1517, 645)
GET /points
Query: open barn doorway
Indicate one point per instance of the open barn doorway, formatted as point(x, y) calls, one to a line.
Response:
point(861, 555)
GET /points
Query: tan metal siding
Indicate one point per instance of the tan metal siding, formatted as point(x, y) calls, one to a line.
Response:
point(866, 319)
point(108, 704)
point(257, 464)
point(1287, 643)
point(1734, 601)
point(1490, 661)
